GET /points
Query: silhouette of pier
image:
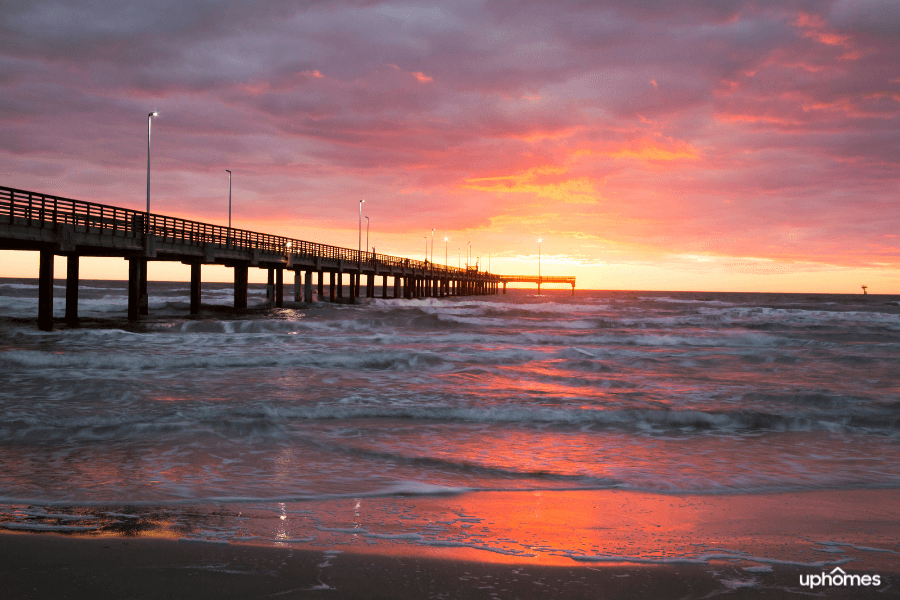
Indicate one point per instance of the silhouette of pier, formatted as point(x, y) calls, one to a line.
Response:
point(54, 226)
point(539, 280)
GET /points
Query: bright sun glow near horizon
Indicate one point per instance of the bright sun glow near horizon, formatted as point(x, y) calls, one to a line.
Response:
point(732, 146)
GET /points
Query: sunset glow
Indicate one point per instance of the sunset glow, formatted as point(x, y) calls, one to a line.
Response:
point(728, 146)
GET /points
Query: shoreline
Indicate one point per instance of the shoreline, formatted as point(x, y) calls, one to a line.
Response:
point(738, 546)
point(53, 566)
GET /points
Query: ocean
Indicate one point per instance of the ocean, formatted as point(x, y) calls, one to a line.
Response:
point(432, 422)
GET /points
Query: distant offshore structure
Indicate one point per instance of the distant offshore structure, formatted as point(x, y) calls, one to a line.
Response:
point(864, 289)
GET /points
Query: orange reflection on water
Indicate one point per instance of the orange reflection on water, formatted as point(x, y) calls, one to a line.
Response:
point(615, 526)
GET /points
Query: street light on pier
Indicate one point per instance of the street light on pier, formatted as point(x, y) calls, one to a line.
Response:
point(359, 247)
point(446, 239)
point(426, 250)
point(468, 255)
point(228, 239)
point(149, 126)
point(432, 245)
point(367, 233)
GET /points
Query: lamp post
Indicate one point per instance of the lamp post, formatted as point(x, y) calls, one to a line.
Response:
point(426, 250)
point(228, 240)
point(446, 239)
point(359, 247)
point(468, 255)
point(367, 233)
point(149, 126)
point(432, 245)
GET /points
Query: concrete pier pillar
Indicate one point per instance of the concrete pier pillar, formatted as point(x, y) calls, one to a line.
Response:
point(72, 290)
point(270, 286)
point(298, 286)
point(396, 286)
point(321, 285)
point(134, 288)
point(279, 287)
point(45, 291)
point(145, 298)
point(331, 288)
point(195, 288)
point(340, 284)
point(384, 287)
point(308, 287)
point(354, 287)
point(240, 285)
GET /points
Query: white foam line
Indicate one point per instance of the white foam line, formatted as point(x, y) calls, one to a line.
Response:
point(342, 530)
point(394, 536)
point(703, 559)
point(452, 544)
point(854, 546)
point(61, 517)
point(43, 527)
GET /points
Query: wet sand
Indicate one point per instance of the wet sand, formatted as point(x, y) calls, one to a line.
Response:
point(53, 566)
point(742, 546)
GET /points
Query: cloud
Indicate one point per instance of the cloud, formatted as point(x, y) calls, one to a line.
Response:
point(654, 126)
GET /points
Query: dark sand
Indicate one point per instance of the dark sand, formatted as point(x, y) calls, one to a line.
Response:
point(54, 566)
point(743, 546)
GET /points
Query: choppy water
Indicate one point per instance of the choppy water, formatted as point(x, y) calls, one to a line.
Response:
point(697, 393)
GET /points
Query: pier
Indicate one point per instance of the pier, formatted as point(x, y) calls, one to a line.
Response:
point(504, 279)
point(54, 226)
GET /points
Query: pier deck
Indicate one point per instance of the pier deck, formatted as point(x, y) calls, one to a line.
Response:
point(539, 280)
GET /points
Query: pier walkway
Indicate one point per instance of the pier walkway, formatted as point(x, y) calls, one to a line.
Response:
point(504, 279)
point(55, 226)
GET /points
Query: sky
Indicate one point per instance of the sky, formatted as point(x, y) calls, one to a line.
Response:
point(723, 145)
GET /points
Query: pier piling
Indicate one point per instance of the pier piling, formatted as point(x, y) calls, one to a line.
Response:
point(195, 288)
point(145, 298)
point(240, 285)
point(72, 290)
point(308, 287)
point(134, 288)
point(279, 287)
point(45, 291)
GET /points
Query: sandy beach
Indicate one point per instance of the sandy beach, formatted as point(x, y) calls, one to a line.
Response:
point(52, 566)
point(751, 546)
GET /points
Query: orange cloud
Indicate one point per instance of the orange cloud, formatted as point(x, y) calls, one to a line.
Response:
point(538, 181)
point(650, 151)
